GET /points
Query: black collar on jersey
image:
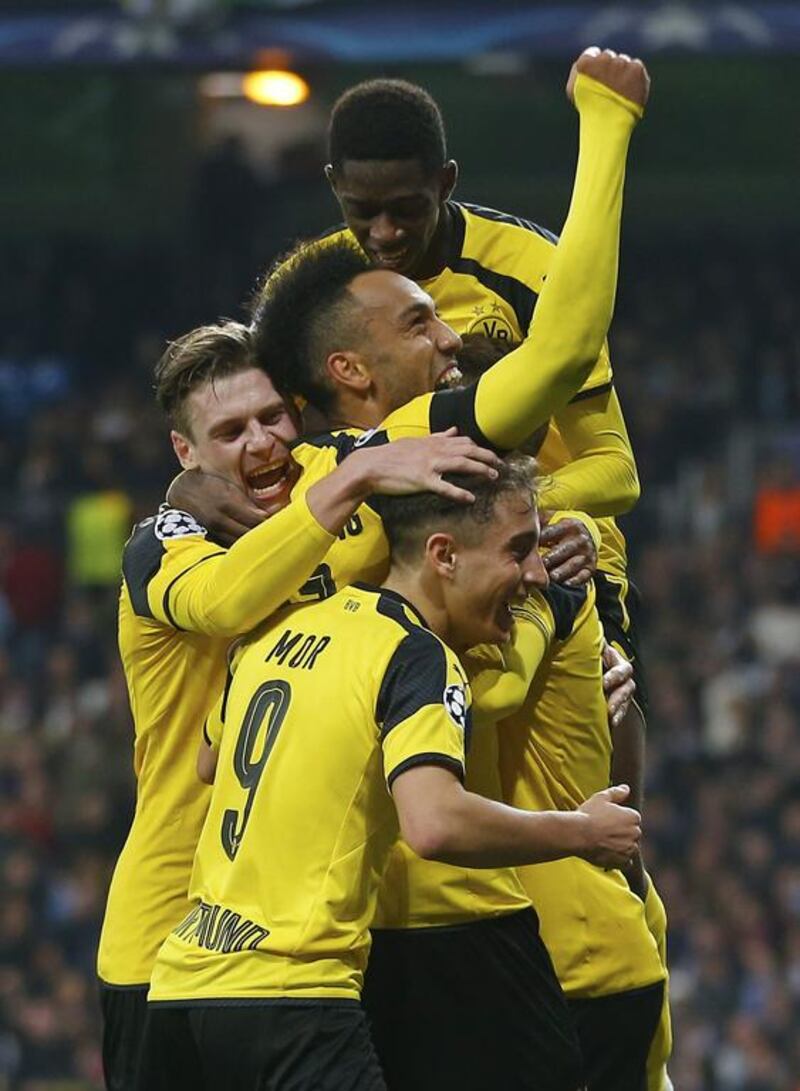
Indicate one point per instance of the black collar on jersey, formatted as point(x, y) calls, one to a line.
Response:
point(393, 596)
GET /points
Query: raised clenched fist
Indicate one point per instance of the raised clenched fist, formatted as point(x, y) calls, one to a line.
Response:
point(628, 77)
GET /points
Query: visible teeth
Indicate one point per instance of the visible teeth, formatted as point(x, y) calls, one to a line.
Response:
point(450, 377)
point(269, 480)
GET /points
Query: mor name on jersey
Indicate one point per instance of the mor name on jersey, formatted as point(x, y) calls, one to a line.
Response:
point(219, 929)
point(298, 650)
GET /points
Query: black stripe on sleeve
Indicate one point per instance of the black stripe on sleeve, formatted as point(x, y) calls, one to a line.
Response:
point(595, 391)
point(206, 739)
point(165, 599)
point(427, 759)
point(140, 562)
point(456, 408)
point(566, 604)
point(415, 678)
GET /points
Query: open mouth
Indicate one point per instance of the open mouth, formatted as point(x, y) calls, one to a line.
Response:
point(451, 377)
point(390, 260)
point(267, 482)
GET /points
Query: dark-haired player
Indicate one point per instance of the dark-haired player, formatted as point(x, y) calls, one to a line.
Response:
point(184, 598)
point(485, 271)
point(328, 706)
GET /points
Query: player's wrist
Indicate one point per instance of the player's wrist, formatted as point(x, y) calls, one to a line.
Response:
point(594, 98)
point(357, 477)
point(568, 833)
point(577, 832)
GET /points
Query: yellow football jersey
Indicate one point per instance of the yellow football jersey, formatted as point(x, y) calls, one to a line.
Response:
point(554, 752)
point(327, 705)
point(418, 893)
point(495, 269)
point(182, 599)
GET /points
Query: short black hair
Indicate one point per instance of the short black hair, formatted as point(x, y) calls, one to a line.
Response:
point(387, 119)
point(409, 520)
point(303, 312)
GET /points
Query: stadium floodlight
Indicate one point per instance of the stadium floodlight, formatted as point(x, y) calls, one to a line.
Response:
point(275, 87)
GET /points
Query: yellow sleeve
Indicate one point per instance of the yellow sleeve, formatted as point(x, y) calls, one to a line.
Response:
point(600, 377)
point(500, 677)
point(601, 479)
point(574, 310)
point(206, 589)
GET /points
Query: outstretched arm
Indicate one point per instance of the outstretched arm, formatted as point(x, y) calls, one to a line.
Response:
point(574, 310)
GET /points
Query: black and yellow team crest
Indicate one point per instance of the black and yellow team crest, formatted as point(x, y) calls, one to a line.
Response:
point(490, 321)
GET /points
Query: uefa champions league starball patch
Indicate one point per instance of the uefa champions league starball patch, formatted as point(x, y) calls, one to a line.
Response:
point(455, 701)
point(172, 523)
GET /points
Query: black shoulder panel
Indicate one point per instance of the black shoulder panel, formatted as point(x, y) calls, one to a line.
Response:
point(506, 218)
point(141, 560)
point(416, 676)
point(566, 604)
point(344, 443)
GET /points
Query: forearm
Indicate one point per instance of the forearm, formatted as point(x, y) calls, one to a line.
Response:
point(601, 483)
point(233, 591)
point(469, 831)
point(628, 755)
point(601, 477)
point(574, 309)
point(335, 498)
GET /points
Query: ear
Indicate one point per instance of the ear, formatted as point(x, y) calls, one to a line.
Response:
point(184, 450)
point(349, 369)
point(449, 178)
point(440, 553)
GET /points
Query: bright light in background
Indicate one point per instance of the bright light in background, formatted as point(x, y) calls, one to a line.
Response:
point(275, 88)
point(271, 87)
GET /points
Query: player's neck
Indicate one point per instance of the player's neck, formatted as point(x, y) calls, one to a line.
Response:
point(416, 589)
point(435, 257)
point(355, 412)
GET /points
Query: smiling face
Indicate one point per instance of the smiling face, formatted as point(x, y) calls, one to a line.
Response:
point(241, 430)
point(492, 571)
point(394, 210)
point(409, 350)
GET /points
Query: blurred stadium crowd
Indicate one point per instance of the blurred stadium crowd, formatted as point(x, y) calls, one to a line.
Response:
point(706, 346)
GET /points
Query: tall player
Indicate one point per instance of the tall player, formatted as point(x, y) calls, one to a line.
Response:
point(328, 706)
point(485, 270)
point(184, 597)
